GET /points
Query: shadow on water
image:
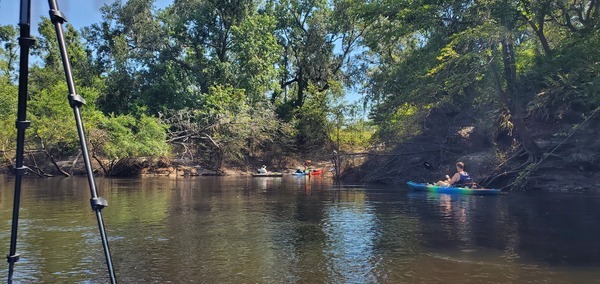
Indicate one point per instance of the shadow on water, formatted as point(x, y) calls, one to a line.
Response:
point(300, 229)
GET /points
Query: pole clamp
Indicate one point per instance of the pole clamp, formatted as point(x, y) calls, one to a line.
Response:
point(21, 171)
point(57, 16)
point(98, 203)
point(76, 100)
point(23, 124)
point(26, 41)
point(13, 258)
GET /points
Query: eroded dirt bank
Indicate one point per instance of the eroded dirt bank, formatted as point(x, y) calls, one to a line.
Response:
point(568, 158)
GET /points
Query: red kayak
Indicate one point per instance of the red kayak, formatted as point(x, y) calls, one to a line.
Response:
point(316, 172)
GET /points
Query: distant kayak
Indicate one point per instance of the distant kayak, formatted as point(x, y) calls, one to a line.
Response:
point(272, 174)
point(451, 189)
point(312, 172)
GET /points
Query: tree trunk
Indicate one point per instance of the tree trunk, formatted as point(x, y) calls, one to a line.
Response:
point(539, 31)
point(302, 85)
point(517, 104)
point(220, 152)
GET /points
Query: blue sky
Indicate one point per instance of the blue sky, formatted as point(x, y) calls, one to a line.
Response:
point(80, 13)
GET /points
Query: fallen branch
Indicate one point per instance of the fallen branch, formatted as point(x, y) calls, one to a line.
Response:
point(39, 173)
point(75, 161)
point(101, 165)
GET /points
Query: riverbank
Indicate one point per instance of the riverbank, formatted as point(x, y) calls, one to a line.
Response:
point(141, 167)
point(563, 155)
point(188, 171)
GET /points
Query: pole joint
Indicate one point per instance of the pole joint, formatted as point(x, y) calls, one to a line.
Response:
point(21, 171)
point(56, 16)
point(13, 258)
point(98, 203)
point(22, 124)
point(26, 41)
point(76, 100)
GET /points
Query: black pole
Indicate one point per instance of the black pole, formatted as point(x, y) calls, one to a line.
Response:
point(76, 101)
point(25, 42)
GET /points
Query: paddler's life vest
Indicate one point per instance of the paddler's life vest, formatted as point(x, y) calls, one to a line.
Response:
point(465, 180)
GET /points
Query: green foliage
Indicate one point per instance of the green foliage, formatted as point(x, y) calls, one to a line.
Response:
point(403, 124)
point(8, 114)
point(354, 136)
point(570, 77)
point(8, 90)
point(478, 55)
point(222, 59)
point(126, 136)
point(207, 69)
point(256, 51)
point(53, 129)
point(52, 120)
point(235, 126)
point(8, 51)
point(126, 45)
point(227, 128)
point(311, 120)
point(8, 97)
point(353, 139)
point(46, 47)
point(348, 128)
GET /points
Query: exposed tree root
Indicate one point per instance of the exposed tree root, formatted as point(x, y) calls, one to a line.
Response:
point(521, 181)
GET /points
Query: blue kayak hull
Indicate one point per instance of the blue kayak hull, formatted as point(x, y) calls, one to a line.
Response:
point(451, 189)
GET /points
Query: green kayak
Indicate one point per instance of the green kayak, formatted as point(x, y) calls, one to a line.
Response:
point(451, 189)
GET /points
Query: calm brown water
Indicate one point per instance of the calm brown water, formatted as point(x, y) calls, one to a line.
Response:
point(296, 230)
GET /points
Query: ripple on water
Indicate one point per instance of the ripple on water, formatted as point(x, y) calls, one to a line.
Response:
point(198, 230)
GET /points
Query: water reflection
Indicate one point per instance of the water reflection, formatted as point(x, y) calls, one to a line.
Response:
point(267, 183)
point(299, 229)
point(351, 228)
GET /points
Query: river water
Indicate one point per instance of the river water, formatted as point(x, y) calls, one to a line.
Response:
point(298, 230)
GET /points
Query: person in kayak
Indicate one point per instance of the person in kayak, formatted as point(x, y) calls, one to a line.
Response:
point(262, 170)
point(460, 178)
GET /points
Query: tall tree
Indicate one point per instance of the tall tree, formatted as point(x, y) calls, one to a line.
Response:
point(318, 38)
point(126, 43)
point(8, 51)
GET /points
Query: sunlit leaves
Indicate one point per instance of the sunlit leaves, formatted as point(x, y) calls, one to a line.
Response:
point(52, 120)
point(256, 53)
point(403, 123)
point(8, 114)
point(126, 136)
point(8, 52)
